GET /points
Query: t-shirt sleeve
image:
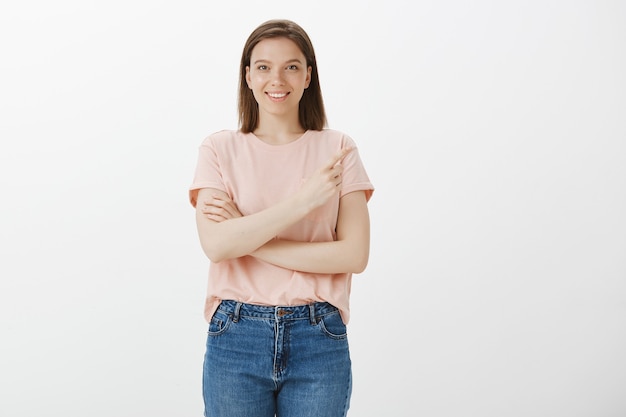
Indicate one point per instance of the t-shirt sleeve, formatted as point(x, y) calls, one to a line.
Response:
point(354, 176)
point(208, 174)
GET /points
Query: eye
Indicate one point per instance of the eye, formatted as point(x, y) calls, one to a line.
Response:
point(292, 67)
point(262, 67)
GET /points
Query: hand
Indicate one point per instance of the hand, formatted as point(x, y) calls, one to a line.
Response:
point(220, 208)
point(325, 182)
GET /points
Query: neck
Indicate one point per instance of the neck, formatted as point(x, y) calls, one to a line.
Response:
point(278, 130)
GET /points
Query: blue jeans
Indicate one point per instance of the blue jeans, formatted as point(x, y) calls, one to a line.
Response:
point(264, 361)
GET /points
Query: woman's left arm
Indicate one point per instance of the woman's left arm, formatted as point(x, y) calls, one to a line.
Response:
point(348, 254)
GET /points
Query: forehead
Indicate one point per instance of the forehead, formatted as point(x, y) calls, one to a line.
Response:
point(276, 49)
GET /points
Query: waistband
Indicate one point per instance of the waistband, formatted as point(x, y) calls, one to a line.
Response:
point(311, 311)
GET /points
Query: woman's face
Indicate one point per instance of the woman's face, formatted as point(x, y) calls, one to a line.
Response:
point(278, 75)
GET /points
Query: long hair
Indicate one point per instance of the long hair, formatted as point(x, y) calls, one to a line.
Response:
point(311, 111)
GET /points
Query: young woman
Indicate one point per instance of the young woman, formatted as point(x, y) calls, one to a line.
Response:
point(281, 210)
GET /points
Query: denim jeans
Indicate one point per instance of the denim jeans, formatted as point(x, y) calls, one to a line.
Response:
point(264, 361)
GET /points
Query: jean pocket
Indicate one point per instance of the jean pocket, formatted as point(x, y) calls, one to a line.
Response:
point(333, 327)
point(220, 322)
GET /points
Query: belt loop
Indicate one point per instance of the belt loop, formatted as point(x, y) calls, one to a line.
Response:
point(236, 313)
point(312, 314)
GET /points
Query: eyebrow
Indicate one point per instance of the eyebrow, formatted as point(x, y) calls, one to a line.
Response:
point(258, 61)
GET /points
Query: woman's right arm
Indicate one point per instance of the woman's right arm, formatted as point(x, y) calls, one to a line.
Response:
point(240, 236)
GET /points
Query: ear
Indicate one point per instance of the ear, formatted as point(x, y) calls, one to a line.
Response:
point(248, 77)
point(309, 70)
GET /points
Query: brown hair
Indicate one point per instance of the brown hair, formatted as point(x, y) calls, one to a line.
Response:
point(311, 109)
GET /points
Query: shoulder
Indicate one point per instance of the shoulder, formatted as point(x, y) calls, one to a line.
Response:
point(333, 136)
point(221, 136)
point(224, 134)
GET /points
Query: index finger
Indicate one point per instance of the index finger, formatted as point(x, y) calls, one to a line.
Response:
point(339, 156)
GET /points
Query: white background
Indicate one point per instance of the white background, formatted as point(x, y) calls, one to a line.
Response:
point(494, 133)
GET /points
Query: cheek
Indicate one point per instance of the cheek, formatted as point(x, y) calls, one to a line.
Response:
point(299, 79)
point(256, 82)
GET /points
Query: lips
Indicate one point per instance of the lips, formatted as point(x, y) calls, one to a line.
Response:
point(277, 96)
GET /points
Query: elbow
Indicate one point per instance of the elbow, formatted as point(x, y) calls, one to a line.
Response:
point(359, 267)
point(215, 259)
point(355, 255)
point(360, 263)
point(214, 254)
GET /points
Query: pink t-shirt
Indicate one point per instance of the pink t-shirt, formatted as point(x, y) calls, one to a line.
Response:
point(257, 175)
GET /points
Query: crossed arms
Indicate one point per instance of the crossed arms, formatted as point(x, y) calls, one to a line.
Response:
point(225, 234)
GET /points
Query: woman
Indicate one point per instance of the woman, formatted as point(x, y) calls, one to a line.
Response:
point(281, 210)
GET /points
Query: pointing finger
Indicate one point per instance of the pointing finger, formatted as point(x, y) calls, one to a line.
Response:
point(339, 156)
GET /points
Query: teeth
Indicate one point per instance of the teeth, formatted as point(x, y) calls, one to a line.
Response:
point(277, 95)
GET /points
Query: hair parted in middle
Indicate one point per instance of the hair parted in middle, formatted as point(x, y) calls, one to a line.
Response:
point(311, 109)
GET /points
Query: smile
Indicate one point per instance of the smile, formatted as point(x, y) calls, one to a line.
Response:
point(277, 95)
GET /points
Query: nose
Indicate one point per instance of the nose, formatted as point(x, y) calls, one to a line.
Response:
point(277, 77)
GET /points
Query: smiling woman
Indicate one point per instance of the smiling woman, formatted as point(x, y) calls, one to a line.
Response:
point(281, 212)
